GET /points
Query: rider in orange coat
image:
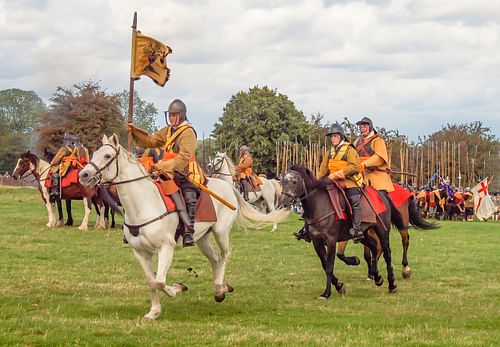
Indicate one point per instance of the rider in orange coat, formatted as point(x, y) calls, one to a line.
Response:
point(244, 170)
point(342, 166)
point(179, 143)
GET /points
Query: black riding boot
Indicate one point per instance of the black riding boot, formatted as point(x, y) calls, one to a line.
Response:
point(303, 234)
point(191, 197)
point(355, 231)
point(244, 187)
point(54, 193)
point(184, 218)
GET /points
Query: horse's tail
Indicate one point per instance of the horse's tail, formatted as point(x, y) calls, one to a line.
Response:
point(396, 216)
point(416, 219)
point(249, 216)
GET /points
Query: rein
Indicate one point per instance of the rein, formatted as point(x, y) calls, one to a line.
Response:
point(304, 197)
point(217, 170)
point(134, 228)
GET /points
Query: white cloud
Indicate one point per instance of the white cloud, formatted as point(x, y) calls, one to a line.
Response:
point(411, 65)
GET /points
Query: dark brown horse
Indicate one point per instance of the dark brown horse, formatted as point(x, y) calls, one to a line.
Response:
point(402, 217)
point(326, 228)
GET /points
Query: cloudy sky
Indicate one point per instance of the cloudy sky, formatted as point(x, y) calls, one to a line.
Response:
point(411, 65)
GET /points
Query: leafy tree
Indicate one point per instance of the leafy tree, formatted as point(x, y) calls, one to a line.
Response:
point(144, 112)
point(20, 110)
point(85, 111)
point(478, 145)
point(11, 146)
point(259, 118)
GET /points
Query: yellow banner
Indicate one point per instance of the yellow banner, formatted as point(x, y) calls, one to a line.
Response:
point(149, 57)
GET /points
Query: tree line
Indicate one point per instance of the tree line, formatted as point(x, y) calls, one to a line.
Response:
point(261, 118)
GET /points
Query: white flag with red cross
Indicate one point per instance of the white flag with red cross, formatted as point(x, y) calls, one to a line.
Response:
point(484, 207)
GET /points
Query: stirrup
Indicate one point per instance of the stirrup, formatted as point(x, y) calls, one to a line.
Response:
point(187, 240)
point(356, 238)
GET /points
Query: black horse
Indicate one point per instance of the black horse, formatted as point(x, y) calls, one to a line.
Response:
point(326, 228)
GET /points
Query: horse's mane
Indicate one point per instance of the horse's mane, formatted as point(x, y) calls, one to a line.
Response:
point(132, 158)
point(230, 164)
point(308, 177)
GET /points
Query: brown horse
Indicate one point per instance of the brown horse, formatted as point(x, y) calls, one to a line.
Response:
point(326, 228)
point(402, 216)
point(29, 162)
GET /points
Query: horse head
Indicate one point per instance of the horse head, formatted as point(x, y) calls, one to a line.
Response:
point(103, 166)
point(26, 162)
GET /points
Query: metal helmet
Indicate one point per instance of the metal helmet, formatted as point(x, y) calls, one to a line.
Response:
point(71, 140)
point(177, 106)
point(244, 148)
point(336, 129)
point(365, 120)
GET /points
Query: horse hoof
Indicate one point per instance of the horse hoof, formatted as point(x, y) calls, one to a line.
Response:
point(229, 288)
point(393, 290)
point(379, 282)
point(151, 316)
point(181, 286)
point(220, 297)
point(324, 298)
point(406, 273)
point(341, 290)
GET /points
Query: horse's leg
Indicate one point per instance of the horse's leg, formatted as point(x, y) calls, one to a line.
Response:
point(146, 262)
point(218, 263)
point(60, 219)
point(51, 214)
point(100, 220)
point(405, 241)
point(268, 194)
point(341, 254)
point(404, 211)
point(85, 221)
point(69, 222)
point(386, 250)
point(165, 255)
point(325, 254)
point(371, 255)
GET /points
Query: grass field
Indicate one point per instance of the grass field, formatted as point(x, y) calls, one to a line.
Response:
point(62, 287)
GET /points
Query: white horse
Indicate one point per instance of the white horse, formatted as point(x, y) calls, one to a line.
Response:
point(222, 167)
point(149, 228)
point(39, 168)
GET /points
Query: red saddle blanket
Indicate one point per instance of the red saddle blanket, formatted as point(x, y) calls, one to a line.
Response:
point(205, 210)
point(369, 213)
point(399, 196)
point(375, 199)
point(70, 178)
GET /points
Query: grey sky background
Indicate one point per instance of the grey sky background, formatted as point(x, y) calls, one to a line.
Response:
point(409, 65)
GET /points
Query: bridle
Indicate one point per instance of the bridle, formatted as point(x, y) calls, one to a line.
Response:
point(32, 172)
point(216, 169)
point(303, 197)
point(133, 228)
point(305, 193)
point(111, 182)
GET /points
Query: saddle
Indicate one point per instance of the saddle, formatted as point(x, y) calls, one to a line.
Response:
point(71, 177)
point(255, 182)
point(205, 210)
point(340, 203)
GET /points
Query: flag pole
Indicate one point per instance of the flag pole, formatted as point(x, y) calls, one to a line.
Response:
point(132, 80)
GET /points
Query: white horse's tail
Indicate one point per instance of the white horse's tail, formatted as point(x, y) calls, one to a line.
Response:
point(250, 217)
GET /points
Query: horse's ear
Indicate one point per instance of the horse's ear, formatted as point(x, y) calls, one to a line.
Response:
point(114, 140)
point(104, 139)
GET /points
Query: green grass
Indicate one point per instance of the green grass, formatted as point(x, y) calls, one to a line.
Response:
point(62, 287)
